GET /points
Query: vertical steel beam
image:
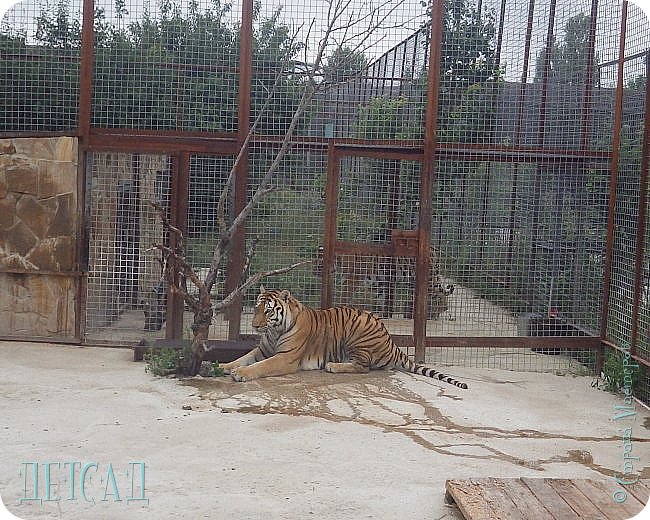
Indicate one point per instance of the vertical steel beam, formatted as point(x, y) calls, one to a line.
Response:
point(518, 126)
point(613, 178)
point(589, 80)
point(427, 179)
point(331, 205)
point(541, 136)
point(641, 218)
point(178, 218)
point(238, 244)
point(83, 132)
point(86, 71)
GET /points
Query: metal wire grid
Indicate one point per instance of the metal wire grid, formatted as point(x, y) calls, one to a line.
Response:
point(637, 49)
point(124, 272)
point(39, 67)
point(171, 65)
point(524, 244)
point(287, 223)
point(208, 176)
point(363, 31)
point(376, 197)
point(575, 362)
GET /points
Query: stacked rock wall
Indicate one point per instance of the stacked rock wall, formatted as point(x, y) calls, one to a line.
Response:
point(38, 236)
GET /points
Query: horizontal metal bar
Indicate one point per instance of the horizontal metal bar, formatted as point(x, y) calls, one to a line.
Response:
point(162, 143)
point(568, 342)
point(70, 274)
point(41, 339)
point(361, 248)
point(608, 342)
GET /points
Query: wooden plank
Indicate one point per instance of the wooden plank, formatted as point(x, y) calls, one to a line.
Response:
point(600, 494)
point(576, 499)
point(499, 500)
point(524, 499)
point(640, 490)
point(547, 499)
point(223, 351)
point(470, 500)
point(553, 502)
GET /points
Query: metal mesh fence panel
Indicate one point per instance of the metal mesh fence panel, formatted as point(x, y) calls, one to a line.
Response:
point(287, 223)
point(331, 46)
point(629, 310)
point(169, 65)
point(39, 67)
point(124, 272)
point(577, 362)
point(378, 198)
point(208, 177)
point(524, 243)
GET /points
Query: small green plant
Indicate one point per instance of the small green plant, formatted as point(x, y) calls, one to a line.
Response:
point(614, 372)
point(214, 371)
point(161, 362)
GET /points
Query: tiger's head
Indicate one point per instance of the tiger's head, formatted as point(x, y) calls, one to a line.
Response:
point(275, 309)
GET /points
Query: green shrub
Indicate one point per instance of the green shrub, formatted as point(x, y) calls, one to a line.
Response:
point(613, 372)
point(161, 362)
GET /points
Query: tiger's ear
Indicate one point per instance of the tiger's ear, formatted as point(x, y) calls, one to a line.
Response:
point(285, 295)
point(262, 289)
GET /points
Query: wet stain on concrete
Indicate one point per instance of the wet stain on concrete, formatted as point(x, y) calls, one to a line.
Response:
point(381, 400)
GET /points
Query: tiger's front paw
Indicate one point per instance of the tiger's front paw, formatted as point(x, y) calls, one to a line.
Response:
point(239, 374)
point(226, 367)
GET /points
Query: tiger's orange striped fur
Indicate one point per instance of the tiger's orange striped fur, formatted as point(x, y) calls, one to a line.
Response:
point(341, 339)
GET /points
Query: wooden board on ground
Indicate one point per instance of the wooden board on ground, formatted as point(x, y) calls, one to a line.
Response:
point(223, 351)
point(545, 498)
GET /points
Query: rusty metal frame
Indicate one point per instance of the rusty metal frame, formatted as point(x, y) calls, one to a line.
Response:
point(641, 218)
point(180, 145)
point(615, 152)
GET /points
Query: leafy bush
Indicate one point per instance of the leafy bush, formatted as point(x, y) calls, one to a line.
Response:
point(614, 374)
point(161, 362)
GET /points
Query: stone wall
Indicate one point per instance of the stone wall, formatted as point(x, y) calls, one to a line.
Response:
point(38, 234)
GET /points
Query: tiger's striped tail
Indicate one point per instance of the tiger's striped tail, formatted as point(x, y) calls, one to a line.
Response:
point(407, 364)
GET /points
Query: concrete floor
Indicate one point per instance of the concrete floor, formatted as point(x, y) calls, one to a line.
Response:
point(309, 445)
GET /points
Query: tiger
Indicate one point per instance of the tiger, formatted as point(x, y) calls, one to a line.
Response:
point(296, 337)
point(355, 269)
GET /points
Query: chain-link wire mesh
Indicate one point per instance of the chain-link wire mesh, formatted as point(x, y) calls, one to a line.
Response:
point(207, 179)
point(629, 304)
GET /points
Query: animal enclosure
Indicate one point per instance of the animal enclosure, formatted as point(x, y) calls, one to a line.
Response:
point(473, 172)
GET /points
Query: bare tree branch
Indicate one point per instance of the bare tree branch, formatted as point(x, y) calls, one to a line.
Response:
point(252, 280)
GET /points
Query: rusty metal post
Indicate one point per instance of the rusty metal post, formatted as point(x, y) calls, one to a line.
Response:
point(238, 244)
point(518, 126)
point(86, 71)
point(613, 177)
point(589, 80)
point(541, 136)
point(83, 132)
point(641, 218)
point(427, 178)
point(331, 204)
point(180, 183)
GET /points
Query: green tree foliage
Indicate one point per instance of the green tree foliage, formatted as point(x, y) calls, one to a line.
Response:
point(343, 64)
point(569, 57)
point(175, 70)
point(468, 73)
